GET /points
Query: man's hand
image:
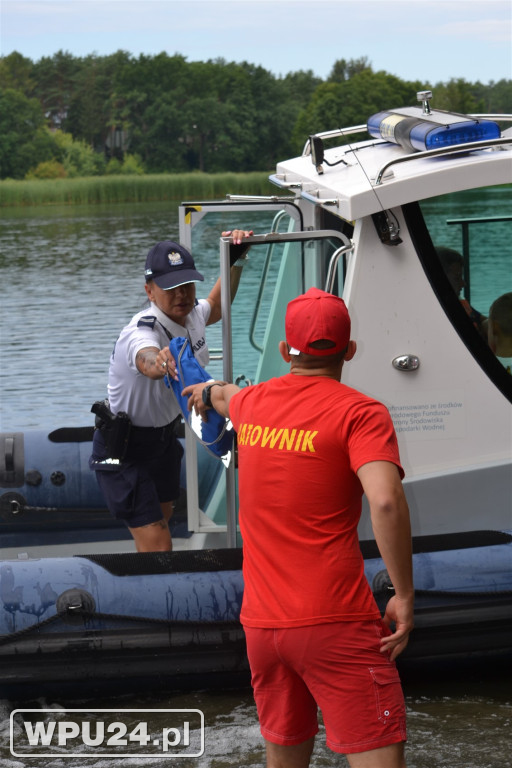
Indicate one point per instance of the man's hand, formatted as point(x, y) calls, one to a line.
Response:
point(194, 392)
point(238, 250)
point(401, 613)
point(219, 396)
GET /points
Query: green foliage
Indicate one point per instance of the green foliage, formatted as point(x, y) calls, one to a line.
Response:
point(460, 96)
point(20, 121)
point(349, 102)
point(81, 160)
point(456, 95)
point(343, 70)
point(134, 188)
point(131, 165)
point(122, 115)
point(56, 79)
point(75, 158)
point(48, 169)
point(16, 72)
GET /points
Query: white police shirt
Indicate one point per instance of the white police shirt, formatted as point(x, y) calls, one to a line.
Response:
point(149, 402)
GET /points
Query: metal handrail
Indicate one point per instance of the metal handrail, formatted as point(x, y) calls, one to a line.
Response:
point(473, 145)
point(274, 178)
point(479, 220)
point(331, 134)
point(333, 264)
point(503, 118)
point(364, 128)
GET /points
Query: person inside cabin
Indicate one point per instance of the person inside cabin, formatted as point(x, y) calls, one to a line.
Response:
point(308, 448)
point(136, 454)
point(453, 265)
point(499, 329)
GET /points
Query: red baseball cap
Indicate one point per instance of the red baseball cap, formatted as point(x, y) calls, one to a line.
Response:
point(315, 316)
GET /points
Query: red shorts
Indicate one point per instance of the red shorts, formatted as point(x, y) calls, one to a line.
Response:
point(335, 667)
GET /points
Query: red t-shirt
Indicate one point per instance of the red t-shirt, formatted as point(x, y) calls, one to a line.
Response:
point(301, 440)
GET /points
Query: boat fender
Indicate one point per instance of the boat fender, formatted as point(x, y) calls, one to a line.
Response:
point(75, 606)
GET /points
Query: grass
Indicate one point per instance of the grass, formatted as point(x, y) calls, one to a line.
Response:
point(132, 189)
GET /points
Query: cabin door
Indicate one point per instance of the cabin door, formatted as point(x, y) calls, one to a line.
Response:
point(283, 261)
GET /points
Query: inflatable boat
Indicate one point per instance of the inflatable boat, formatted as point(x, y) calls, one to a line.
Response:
point(366, 212)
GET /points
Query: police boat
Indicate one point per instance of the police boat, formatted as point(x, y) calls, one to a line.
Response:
point(408, 218)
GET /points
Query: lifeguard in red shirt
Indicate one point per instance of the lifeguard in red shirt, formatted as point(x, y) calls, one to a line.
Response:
point(309, 447)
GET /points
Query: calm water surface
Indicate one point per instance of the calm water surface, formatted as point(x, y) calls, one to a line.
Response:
point(71, 279)
point(75, 276)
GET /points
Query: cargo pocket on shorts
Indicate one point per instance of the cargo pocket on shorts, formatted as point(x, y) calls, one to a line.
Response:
point(387, 688)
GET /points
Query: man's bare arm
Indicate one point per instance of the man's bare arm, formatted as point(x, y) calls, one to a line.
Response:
point(219, 396)
point(392, 528)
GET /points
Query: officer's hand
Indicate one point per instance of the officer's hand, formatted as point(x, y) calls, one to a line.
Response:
point(238, 250)
point(166, 364)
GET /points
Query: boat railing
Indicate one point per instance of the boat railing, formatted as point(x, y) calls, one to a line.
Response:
point(456, 148)
point(498, 117)
point(314, 144)
point(333, 133)
point(333, 265)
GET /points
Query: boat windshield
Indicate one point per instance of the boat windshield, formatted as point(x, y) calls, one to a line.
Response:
point(273, 274)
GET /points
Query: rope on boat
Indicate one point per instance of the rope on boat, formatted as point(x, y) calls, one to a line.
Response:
point(448, 593)
point(228, 624)
point(27, 630)
point(175, 623)
point(224, 624)
point(389, 592)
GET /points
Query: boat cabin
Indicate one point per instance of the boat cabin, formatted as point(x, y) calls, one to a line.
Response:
point(412, 227)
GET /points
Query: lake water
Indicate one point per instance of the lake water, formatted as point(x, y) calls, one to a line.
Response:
point(71, 279)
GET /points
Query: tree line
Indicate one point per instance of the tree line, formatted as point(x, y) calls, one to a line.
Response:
point(84, 116)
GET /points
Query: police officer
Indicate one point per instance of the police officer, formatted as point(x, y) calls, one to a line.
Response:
point(140, 485)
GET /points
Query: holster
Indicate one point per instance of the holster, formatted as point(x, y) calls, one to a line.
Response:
point(115, 429)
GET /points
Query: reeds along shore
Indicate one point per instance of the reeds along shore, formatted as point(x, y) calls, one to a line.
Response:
point(132, 189)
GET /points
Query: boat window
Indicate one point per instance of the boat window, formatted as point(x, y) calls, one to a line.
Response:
point(468, 259)
point(274, 273)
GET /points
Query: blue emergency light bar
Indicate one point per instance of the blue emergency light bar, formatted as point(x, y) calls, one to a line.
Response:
point(433, 131)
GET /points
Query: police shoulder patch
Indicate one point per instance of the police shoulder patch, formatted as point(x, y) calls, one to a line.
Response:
point(148, 321)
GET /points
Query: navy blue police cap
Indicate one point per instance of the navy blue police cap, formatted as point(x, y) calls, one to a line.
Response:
point(169, 264)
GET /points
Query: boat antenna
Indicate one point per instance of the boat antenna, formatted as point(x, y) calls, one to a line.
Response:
point(385, 221)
